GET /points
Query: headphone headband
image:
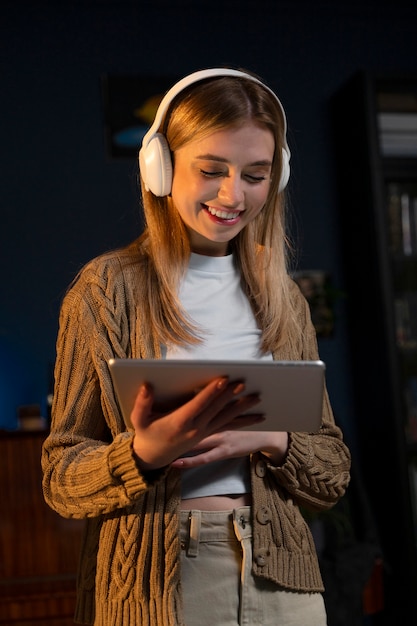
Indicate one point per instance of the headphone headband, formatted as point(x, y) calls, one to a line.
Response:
point(154, 155)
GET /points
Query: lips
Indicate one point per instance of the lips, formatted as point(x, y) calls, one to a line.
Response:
point(222, 214)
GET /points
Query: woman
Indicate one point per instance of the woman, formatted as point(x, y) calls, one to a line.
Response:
point(191, 520)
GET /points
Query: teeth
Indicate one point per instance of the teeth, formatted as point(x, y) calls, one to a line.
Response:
point(224, 215)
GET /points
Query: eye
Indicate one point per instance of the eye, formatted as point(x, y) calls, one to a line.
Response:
point(254, 179)
point(210, 174)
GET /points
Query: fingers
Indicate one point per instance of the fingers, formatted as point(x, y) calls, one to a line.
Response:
point(229, 405)
point(242, 421)
point(205, 396)
point(220, 405)
point(219, 398)
point(230, 443)
point(215, 396)
point(143, 405)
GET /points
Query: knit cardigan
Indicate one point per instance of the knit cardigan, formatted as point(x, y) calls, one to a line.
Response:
point(129, 572)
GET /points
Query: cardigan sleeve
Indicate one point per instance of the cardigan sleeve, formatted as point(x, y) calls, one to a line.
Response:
point(88, 463)
point(316, 470)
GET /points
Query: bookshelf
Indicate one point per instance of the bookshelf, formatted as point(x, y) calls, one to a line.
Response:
point(375, 123)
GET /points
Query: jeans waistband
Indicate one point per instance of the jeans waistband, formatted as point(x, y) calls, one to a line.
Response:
point(210, 526)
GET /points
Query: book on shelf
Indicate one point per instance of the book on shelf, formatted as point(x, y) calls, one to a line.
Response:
point(398, 133)
point(397, 101)
point(390, 122)
point(402, 218)
point(411, 408)
point(398, 144)
point(407, 224)
point(412, 470)
point(405, 309)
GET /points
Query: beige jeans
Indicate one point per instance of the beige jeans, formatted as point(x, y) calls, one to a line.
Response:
point(218, 586)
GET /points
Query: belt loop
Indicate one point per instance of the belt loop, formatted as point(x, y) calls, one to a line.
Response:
point(194, 533)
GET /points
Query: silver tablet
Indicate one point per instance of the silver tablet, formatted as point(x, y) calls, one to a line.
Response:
point(291, 392)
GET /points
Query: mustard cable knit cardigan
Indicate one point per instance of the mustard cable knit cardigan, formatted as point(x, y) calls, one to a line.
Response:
point(129, 567)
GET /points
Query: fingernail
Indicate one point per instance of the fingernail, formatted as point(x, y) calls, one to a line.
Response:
point(239, 388)
point(222, 383)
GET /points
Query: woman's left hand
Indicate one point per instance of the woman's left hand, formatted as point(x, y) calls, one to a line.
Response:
point(230, 444)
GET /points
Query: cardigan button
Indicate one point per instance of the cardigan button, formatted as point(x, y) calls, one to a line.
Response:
point(261, 557)
point(263, 514)
point(260, 469)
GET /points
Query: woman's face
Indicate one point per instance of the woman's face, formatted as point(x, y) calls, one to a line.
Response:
point(221, 183)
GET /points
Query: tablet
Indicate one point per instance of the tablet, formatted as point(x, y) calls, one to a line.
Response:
point(291, 392)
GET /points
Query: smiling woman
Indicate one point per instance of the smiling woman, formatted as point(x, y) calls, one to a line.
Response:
point(221, 183)
point(196, 108)
point(186, 503)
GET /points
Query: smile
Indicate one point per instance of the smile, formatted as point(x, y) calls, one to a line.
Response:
point(224, 215)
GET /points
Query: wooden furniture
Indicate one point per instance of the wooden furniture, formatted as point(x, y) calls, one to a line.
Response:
point(376, 147)
point(38, 548)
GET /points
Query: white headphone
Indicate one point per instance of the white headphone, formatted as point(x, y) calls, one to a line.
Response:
point(154, 156)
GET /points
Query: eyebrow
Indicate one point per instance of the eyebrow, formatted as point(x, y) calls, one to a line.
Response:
point(213, 157)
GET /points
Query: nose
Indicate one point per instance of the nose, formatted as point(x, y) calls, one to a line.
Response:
point(230, 192)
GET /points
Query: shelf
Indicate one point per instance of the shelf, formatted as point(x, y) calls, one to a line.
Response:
point(378, 207)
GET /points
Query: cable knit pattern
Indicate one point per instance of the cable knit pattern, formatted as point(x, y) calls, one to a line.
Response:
point(129, 567)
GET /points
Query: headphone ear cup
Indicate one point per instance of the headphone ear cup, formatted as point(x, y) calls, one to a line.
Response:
point(156, 166)
point(285, 170)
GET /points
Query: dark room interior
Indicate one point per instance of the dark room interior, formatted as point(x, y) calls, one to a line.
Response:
point(66, 197)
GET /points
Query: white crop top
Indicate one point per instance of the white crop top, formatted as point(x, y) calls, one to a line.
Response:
point(212, 296)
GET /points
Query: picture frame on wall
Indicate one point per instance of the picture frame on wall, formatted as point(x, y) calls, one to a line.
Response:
point(129, 106)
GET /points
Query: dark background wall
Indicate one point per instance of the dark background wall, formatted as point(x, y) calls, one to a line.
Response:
point(63, 200)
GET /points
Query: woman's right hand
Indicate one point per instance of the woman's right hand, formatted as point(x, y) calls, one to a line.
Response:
point(161, 438)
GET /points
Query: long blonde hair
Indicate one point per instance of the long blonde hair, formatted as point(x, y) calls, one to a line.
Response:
point(262, 249)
